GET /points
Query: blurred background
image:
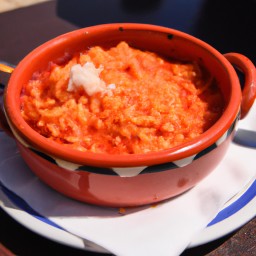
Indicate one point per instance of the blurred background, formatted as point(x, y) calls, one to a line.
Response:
point(7, 5)
point(226, 25)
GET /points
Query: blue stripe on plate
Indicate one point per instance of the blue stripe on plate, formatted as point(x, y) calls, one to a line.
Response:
point(236, 206)
point(21, 204)
point(222, 215)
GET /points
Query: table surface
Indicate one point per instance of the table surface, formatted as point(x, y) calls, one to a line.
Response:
point(227, 28)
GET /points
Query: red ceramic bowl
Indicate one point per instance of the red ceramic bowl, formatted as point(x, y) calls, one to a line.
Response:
point(130, 180)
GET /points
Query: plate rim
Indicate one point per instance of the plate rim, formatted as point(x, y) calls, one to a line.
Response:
point(209, 234)
point(39, 227)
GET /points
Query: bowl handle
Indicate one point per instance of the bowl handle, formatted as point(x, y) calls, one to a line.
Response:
point(249, 87)
point(6, 68)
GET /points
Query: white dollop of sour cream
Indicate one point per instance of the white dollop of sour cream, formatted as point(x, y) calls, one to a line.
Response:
point(88, 77)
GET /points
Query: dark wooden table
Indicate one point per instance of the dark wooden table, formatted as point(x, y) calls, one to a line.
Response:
point(229, 26)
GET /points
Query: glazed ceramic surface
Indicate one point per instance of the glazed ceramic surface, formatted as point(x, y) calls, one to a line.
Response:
point(129, 180)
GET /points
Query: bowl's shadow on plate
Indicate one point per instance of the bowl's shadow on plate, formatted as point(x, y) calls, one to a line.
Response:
point(245, 138)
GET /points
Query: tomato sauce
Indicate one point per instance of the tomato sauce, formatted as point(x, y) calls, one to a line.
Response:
point(154, 103)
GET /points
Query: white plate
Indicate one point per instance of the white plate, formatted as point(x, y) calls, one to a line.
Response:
point(235, 214)
point(239, 210)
